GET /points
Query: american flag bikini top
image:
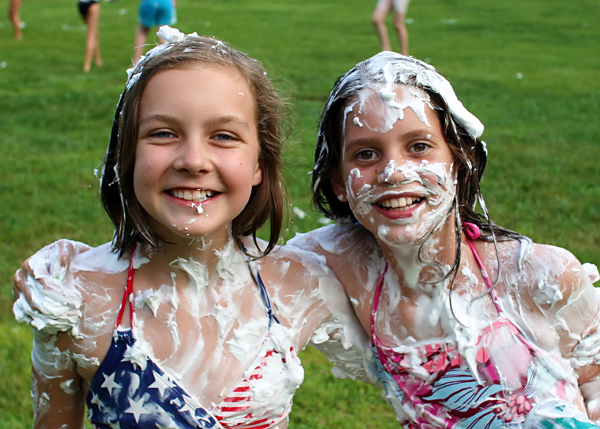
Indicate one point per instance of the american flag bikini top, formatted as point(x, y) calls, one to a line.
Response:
point(127, 393)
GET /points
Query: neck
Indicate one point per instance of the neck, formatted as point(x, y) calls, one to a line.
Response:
point(210, 254)
point(419, 264)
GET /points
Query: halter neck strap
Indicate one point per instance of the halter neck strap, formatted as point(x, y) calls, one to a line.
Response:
point(472, 232)
point(128, 295)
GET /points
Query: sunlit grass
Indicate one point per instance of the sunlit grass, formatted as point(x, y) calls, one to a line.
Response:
point(528, 70)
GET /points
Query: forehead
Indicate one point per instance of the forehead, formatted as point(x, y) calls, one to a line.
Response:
point(211, 71)
point(199, 84)
point(379, 108)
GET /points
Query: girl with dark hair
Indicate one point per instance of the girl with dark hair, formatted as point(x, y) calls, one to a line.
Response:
point(172, 325)
point(473, 325)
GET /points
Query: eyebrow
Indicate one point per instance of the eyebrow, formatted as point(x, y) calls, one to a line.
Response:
point(418, 134)
point(228, 119)
point(217, 120)
point(360, 141)
point(413, 134)
point(156, 117)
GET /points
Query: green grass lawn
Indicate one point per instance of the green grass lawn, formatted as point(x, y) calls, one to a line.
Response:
point(529, 70)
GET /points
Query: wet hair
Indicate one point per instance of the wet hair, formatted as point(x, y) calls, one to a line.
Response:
point(461, 129)
point(267, 200)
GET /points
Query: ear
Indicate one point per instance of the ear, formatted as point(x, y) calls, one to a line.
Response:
point(338, 185)
point(257, 177)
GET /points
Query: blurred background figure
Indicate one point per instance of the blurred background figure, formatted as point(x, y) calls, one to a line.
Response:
point(14, 7)
point(381, 10)
point(90, 12)
point(152, 13)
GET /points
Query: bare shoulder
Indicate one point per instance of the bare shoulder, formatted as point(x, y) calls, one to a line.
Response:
point(301, 268)
point(565, 286)
point(307, 295)
point(543, 267)
point(332, 238)
point(54, 284)
point(100, 272)
point(543, 275)
point(549, 291)
point(354, 256)
point(344, 246)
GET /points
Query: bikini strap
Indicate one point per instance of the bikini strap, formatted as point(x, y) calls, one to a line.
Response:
point(377, 296)
point(264, 294)
point(128, 294)
point(472, 232)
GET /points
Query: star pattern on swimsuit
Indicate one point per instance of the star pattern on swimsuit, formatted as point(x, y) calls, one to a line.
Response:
point(109, 383)
point(161, 382)
point(95, 400)
point(188, 405)
point(137, 408)
point(130, 390)
point(136, 355)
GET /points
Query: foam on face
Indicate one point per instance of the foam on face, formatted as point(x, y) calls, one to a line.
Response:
point(382, 72)
point(435, 181)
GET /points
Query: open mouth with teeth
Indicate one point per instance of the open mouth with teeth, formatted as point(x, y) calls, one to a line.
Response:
point(400, 204)
point(192, 195)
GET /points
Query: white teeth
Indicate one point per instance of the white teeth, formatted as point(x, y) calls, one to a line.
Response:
point(398, 203)
point(197, 195)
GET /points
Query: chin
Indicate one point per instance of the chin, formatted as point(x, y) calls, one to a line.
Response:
point(402, 235)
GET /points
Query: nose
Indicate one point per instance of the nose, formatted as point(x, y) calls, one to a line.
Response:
point(193, 156)
point(392, 173)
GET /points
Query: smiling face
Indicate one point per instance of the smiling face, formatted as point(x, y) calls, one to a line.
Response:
point(197, 152)
point(396, 167)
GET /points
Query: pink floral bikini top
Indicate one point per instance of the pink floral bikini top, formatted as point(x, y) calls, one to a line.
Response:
point(516, 381)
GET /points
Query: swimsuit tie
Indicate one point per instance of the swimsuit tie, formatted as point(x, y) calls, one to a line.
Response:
point(472, 230)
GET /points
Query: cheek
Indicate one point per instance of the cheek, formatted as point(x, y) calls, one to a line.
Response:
point(358, 189)
point(357, 180)
point(145, 176)
point(443, 194)
point(242, 173)
point(141, 171)
point(138, 186)
point(438, 177)
point(148, 164)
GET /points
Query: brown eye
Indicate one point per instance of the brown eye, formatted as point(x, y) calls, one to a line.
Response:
point(365, 155)
point(419, 147)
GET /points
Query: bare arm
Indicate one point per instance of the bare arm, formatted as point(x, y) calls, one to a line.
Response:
point(585, 355)
point(354, 256)
point(341, 339)
point(53, 310)
point(56, 386)
point(574, 315)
